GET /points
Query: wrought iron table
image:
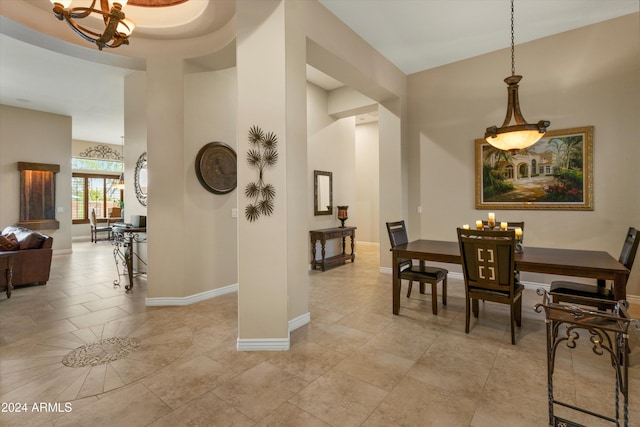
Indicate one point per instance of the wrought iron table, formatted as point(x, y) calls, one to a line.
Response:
point(609, 335)
point(124, 238)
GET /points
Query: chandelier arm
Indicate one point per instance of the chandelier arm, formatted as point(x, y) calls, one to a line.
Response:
point(81, 12)
point(82, 31)
point(112, 18)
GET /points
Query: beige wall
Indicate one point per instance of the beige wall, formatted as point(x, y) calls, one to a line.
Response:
point(331, 148)
point(589, 76)
point(367, 201)
point(210, 115)
point(37, 137)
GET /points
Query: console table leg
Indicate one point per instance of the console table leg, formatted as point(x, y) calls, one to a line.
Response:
point(353, 245)
point(313, 254)
point(323, 243)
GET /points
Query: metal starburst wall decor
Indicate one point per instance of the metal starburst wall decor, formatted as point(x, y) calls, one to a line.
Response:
point(262, 154)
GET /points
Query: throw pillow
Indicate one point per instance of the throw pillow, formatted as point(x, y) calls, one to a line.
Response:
point(32, 241)
point(8, 243)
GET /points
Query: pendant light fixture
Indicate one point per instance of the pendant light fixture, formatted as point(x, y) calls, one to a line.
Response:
point(520, 135)
point(117, 28)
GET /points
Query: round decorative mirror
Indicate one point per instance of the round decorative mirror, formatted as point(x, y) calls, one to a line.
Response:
point(140, 179)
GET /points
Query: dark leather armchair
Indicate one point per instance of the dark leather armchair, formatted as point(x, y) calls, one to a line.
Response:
point(413, 273)
point(488, 262)
point(32, 259)
point(598, 296)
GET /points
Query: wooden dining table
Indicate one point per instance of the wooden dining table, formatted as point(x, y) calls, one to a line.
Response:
point(563, 262)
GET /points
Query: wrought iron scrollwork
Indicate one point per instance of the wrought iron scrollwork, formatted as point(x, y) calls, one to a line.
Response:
point(102, 152)
point(609, 335)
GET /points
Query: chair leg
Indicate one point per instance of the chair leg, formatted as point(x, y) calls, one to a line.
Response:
point(444, 291)
point(434, 298)
point(513, 321)
point(519, 312)
point(467, 312)
point(476, 307)
point(410, 286)
point(422, 288)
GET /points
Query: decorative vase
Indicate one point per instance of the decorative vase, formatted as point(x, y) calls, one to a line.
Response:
point(343, 215)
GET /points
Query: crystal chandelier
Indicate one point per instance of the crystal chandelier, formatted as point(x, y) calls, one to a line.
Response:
point(117, 28)
point(521, 134)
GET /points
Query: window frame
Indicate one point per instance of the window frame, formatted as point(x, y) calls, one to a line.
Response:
point(86, 177)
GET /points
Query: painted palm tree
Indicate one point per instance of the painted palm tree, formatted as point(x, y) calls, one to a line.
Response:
point(565, 150)
point(262, 154)
point(501, 158)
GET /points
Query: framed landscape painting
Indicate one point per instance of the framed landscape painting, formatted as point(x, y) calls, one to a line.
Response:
point(554, 173)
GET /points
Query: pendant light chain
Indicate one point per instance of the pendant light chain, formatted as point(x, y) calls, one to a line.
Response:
point(518, 136)
point(513, 56)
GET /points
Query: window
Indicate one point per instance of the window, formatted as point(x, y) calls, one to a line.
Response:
point(93, 191)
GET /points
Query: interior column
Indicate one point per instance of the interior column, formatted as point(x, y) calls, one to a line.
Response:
point(272, 264)
point(165, 145)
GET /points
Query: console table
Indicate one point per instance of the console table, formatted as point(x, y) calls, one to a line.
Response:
point(328, 234)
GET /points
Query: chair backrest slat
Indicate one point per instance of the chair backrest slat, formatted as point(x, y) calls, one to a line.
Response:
point(92, 218)
point(629, 249)
point(397, 233)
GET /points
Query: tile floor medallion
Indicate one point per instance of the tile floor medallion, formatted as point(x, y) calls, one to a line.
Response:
point(101, 352)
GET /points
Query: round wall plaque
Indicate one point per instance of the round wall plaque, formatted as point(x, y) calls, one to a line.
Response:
point(216, 168)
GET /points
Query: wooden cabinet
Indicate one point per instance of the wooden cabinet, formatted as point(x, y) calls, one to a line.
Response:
point(327, 234)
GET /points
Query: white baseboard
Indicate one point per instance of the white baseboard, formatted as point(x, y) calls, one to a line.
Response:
point(273, 344)
point(299, 321)
point(191, 299)
point(62, 251)
point(372, 244)
point(633, 299)
point(263, 344)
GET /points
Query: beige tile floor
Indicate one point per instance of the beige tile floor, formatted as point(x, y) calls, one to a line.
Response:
point(356, 364)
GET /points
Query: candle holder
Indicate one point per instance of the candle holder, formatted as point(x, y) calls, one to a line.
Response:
point(519, 247)
point(343, 215)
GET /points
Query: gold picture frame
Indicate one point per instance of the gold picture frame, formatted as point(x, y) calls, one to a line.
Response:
point(555, 173)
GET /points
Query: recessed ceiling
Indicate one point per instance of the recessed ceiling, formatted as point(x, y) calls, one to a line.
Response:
point(413, 34)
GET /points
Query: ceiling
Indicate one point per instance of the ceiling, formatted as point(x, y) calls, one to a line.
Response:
point(413, 34)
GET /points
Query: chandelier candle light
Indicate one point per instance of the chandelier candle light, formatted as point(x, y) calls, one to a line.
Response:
point(520, 135)
point(504, 226)
point(117, 27)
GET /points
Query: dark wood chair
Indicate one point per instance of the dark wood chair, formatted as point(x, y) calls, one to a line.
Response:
point(95, 229)
point(488, 262)
point(417, 273)
point(598, 296)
